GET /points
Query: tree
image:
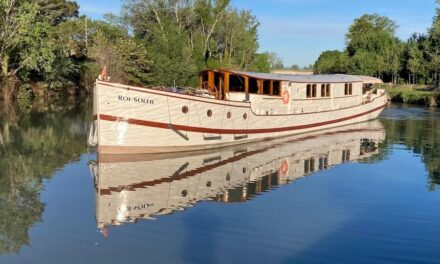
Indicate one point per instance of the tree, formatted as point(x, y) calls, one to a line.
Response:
point(58, 11)
point(185, 36)
point(276, 62)
point(415, 58)
point(434, 47)
point(330, 62)
point(373, 47)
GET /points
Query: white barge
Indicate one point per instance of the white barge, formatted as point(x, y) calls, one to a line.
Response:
point(229, 107)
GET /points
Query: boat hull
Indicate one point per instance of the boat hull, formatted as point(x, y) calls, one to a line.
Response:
point(133, 120)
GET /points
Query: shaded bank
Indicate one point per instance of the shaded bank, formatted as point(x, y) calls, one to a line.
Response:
point(35, 141)
point(417, 95)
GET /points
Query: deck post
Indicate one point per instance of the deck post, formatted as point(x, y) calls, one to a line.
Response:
point(210, 80)
point(200, 81)
point(226, 85)
point(271, 87)
point(246, 88)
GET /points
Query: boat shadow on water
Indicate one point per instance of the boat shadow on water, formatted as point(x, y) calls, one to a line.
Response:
point(132, 187)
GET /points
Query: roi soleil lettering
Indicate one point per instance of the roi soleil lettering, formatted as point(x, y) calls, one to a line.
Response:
point(135, 99)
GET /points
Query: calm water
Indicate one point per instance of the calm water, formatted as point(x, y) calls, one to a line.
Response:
point(368, 193)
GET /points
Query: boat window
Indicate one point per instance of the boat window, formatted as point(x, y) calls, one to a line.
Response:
point(323, 162)
point(204, 84)
point(236, 83)
point(253, 86)
point(306, 166)
point(325, 90)
point(345, 156)
point(276, 88)
point(266, 87)
point(311, 90)
point(348, 89)
point(309, 165)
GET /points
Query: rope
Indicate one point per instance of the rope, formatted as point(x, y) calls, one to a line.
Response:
point(187, 118)
point(169, 113)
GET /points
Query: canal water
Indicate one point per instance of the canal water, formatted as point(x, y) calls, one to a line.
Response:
point(366, 193)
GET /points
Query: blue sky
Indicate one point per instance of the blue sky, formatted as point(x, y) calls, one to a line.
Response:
point(299, 30)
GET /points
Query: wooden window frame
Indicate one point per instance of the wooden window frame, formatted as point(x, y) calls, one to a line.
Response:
point(348, 90)
point(311, 90)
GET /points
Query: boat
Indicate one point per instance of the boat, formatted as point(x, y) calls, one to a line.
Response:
point(229, 107)
point(148, 186)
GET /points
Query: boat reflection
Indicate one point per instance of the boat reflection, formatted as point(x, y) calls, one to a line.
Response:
point(129, 188)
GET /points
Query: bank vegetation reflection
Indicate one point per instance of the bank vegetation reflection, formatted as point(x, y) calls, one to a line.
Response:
point(129, 188)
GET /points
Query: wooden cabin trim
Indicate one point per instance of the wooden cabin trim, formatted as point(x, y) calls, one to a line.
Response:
point(269, 79)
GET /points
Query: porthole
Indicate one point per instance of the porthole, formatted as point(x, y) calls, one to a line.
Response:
point(208, 184)
point(228, 177)
point(245, 116)
point(244, 170)
point(184, 193)
point(185, 109)
point(228, 115)
point(209, 113)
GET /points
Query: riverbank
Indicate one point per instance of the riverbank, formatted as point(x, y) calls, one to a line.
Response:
point(414, 94)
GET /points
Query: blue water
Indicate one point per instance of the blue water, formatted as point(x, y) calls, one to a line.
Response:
point(381, 209)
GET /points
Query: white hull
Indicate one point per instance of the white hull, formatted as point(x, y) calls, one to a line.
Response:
point(141, 120)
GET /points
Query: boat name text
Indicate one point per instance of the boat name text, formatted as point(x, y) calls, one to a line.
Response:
point(139, 207)
point(135, 99)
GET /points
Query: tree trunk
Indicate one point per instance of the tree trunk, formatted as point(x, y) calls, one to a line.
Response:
point(4, 66)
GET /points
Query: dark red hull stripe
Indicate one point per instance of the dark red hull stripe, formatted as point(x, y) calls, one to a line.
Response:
point(233, 131)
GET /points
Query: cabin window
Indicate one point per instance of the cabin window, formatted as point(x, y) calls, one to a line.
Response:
point(311, 90)
point(253, 86)
point(309, 165)
point(325, 90)
point(348, 89)
point(276, 88)
point(345, 156)
point(323, 163)
point(204, 79)
point(266, 87)
point(236, 83)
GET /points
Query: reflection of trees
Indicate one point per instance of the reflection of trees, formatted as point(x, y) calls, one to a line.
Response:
point(33, 144)
point(423, 137)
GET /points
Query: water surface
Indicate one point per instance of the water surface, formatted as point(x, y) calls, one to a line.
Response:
point(367, 193)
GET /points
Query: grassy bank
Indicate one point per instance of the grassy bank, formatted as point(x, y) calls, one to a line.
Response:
point(414, 94)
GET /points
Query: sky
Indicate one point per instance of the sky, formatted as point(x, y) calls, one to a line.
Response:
point(299, 30)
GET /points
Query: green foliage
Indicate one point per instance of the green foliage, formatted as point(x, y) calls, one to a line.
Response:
point(154, 42)
point(184, 37)
point(332, 62)
point(405, 95)
point(423, 137)
point(373, 49)
point(33, 145)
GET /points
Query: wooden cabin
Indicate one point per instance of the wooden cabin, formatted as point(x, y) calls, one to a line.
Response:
point(272, 94)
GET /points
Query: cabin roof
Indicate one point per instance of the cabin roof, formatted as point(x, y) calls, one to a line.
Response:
point(300, 78)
